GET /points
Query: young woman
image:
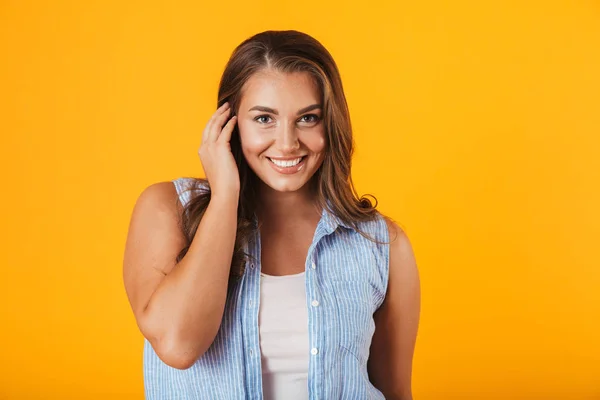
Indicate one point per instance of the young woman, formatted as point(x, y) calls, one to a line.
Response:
point(270, 278)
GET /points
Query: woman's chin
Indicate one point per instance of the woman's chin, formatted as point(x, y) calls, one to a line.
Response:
point(285, 185)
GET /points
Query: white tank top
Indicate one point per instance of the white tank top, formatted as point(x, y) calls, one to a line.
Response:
point(283, 332)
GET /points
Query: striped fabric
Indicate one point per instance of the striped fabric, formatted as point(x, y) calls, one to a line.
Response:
point(346, 273)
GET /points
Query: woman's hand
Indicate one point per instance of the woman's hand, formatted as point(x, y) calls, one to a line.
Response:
point(216, 156)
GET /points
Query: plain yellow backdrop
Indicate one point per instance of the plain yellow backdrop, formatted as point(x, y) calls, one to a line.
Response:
point(477, 128)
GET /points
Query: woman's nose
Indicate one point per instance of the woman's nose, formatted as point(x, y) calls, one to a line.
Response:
point(287, 139)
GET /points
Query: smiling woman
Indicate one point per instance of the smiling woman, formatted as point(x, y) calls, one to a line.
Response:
point(270, 278)
point(287, 140)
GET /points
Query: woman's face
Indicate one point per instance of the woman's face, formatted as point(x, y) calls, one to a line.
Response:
point(281, 129)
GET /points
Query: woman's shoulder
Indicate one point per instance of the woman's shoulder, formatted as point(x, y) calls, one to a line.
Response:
point(172, 194)
point(396, 234)
point(400, 247)
point(380, 224)
point(389, 234)
point(393, 227)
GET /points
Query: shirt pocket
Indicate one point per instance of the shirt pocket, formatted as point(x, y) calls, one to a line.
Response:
point(353, 299)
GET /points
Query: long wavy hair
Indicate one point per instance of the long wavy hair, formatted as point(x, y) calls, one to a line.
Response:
point(285, 51)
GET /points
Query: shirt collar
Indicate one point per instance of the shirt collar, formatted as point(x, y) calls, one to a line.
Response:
point(331, 220)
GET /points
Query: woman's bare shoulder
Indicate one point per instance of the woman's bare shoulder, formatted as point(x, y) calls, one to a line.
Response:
point(160, 197)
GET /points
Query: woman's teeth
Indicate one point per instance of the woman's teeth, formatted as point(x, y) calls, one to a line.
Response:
point(284, 164)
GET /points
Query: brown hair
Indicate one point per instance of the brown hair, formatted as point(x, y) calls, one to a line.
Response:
point(286, 51)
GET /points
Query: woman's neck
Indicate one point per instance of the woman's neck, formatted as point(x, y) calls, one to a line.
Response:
point(277, 206)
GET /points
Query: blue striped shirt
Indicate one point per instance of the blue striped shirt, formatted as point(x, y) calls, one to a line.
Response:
point(345, 272)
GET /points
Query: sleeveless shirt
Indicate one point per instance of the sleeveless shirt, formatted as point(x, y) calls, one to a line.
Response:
point(346, 275)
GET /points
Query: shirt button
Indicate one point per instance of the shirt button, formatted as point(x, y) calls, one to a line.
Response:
point(251, 353)
point(314, 303)
point(250, 303)
point(314, 351)
point(313, 265)
point(251, 265)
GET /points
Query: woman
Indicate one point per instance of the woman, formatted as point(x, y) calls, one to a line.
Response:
point(270, 278)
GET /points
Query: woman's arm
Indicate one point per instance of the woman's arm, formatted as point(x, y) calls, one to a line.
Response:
point(396, 322)
point(178, 306)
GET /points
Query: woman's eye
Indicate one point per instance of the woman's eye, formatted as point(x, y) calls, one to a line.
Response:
point(311, 118)
point(315, 117)
point(261, 116)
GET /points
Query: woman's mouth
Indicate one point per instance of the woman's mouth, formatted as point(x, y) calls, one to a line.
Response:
point(288, 166)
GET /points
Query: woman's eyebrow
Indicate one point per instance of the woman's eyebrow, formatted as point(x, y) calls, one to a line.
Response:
point(273, 111)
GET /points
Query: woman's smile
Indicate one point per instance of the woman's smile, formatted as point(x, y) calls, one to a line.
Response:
point(290, 166)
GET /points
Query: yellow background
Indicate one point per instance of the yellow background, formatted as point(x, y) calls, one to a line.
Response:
point(477, 128)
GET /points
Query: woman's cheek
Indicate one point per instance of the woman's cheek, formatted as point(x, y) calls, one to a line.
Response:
point(315, 141)
point(252, 142)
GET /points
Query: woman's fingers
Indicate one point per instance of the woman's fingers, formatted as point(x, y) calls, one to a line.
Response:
point(208, 133)
point(213, 127)
point(225, 135)
point(217, 126)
